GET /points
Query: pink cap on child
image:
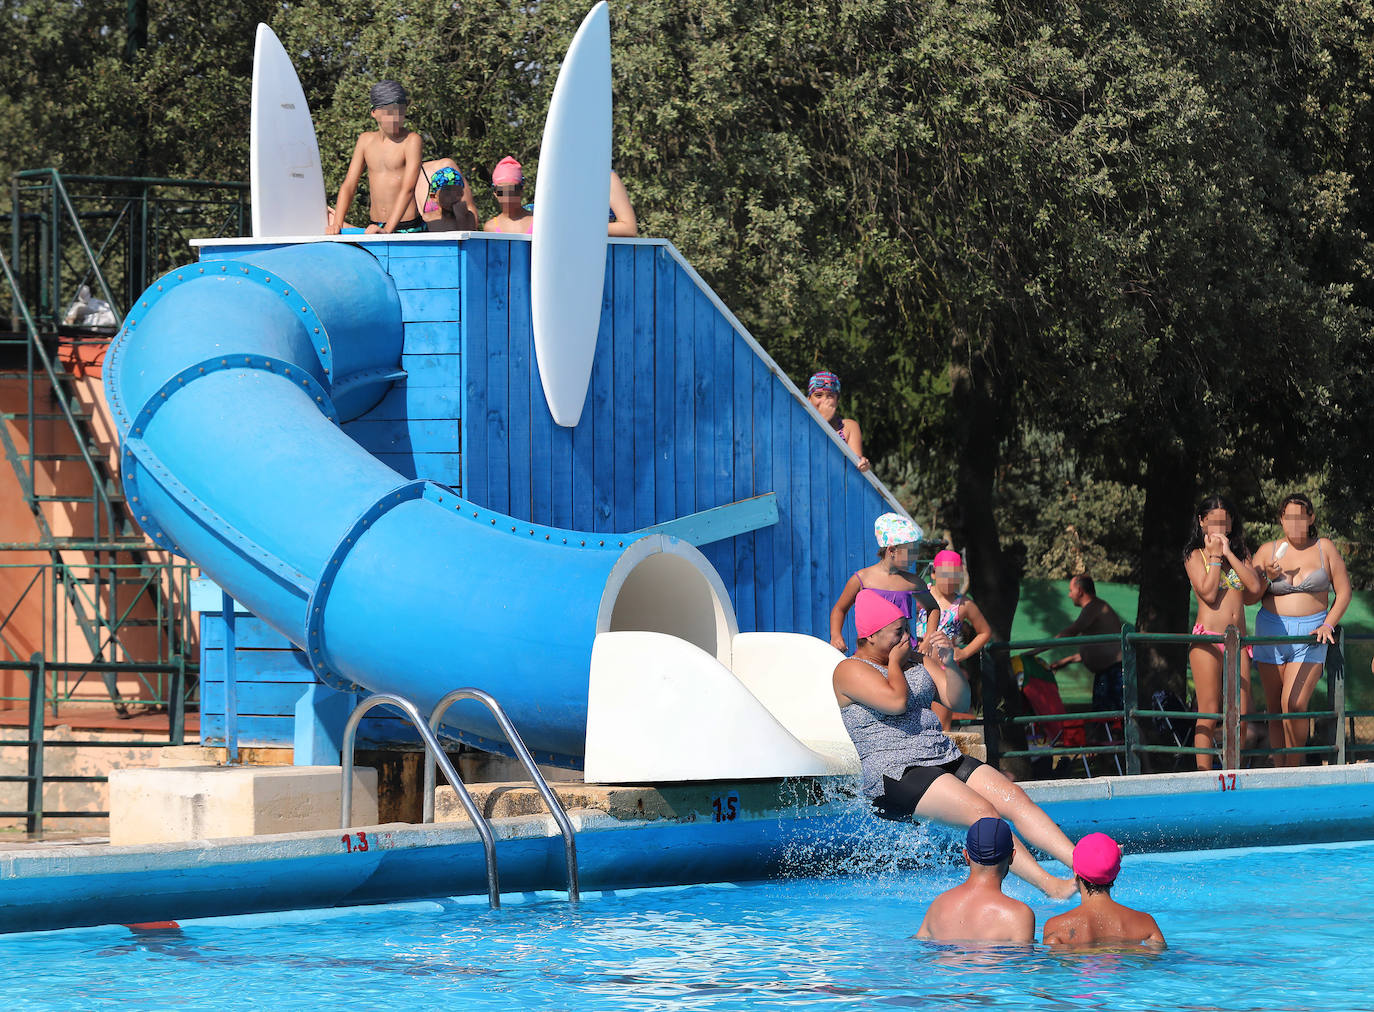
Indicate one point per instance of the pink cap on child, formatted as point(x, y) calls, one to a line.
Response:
point(947, 557)
point(1097, 859)
point(872, 611)
point(507, 171)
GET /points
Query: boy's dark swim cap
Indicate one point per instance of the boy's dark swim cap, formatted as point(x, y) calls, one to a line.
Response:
point(989, 841)
point(388, 93)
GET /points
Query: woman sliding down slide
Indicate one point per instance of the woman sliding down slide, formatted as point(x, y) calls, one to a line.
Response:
point(910, 767)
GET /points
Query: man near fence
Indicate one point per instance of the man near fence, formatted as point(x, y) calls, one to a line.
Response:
point(1096, 618)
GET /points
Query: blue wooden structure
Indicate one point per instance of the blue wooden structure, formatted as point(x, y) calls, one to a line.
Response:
point(689, 427)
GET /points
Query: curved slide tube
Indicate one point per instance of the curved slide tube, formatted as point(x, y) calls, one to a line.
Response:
point(227, 386)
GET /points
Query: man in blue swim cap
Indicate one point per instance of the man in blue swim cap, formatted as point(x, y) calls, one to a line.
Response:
point(977, 910)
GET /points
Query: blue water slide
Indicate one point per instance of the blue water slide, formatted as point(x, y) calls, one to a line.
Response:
point(228, 385)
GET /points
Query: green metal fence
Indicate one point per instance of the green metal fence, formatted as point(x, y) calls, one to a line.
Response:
point(37, 741)
point(114, 233)
point(1001, 712)
point(149, 623)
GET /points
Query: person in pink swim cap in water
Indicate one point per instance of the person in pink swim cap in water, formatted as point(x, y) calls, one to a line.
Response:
point(508, 186)
point(1099, 920)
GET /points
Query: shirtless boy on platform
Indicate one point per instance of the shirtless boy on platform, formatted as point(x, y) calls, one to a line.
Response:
point(977, 910)
point(1099, 920)
point(392, 156)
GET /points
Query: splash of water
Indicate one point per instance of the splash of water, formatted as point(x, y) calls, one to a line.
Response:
point(830, 829)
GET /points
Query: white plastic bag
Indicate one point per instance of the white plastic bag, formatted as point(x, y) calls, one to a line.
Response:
point(88, 312)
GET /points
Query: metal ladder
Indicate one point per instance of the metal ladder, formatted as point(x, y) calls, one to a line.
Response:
point(434, 753)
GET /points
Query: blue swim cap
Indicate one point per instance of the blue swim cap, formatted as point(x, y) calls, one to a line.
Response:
point(989, 841)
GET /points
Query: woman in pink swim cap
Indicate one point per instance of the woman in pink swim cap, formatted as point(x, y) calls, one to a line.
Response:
point(508, 186)
point(911, 768)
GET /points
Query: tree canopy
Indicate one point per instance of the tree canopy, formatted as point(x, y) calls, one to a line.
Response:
point(1077, 264)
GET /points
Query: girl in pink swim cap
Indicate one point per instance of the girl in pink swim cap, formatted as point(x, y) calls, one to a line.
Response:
point(956, 611)
point(508, 186)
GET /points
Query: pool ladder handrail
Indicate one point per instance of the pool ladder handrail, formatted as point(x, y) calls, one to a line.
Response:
point(517, 744)
point(434, 753)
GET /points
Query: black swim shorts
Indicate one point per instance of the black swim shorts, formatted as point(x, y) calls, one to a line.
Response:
point(900, 797)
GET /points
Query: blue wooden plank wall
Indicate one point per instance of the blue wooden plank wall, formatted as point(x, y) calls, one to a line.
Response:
point(270, 676)
point(415, 427)
point(682, 415)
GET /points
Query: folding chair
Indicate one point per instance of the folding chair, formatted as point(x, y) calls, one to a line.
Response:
point(1177, 728)
point(1041, 692)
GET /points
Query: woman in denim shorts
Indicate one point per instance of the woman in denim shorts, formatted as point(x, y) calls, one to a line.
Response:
point(1303, 571)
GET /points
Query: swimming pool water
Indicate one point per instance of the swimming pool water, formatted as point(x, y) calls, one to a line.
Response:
point(1272, 929)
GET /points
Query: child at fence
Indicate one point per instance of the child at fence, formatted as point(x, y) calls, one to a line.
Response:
point(436, 174)
point(1217, 561)
point(391, 155)
point(956, 611)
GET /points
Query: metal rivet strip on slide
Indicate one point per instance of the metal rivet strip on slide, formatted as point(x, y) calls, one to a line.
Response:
point(364, 377)
point(138, 455)
point(506, 524)
point(236, 270)
point(319, 599)
point(137, 452)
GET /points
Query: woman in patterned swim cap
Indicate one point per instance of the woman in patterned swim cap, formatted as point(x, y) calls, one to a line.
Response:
point(823, 391)
point(891, 576)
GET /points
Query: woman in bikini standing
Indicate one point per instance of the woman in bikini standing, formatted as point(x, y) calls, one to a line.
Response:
point(1303, 571)
point(1217, 561)
point(910, 767)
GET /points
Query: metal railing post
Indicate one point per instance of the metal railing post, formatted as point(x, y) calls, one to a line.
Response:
point(517, 745)
point(992, 708)
point(1335, 682)
point(436, 751)
point(176, 701)
point(1130, 693)
point(16, 236)
point(1230, 700)
point(38, 684)
point(231, 708)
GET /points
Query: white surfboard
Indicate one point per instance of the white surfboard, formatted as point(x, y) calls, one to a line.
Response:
point(568, 257)
point(285, 178)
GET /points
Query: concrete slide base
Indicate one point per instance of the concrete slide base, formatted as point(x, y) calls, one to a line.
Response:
point(177, 805)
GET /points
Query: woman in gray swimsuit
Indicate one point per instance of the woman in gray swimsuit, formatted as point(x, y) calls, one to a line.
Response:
point(1303, 571)
point(910, 767)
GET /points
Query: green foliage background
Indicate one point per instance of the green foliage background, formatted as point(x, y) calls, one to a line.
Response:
point(1077, 263)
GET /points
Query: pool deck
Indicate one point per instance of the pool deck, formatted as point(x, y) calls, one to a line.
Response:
point(634, 837)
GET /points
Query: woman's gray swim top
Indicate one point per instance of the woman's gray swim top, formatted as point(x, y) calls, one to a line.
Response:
point(889, 743)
